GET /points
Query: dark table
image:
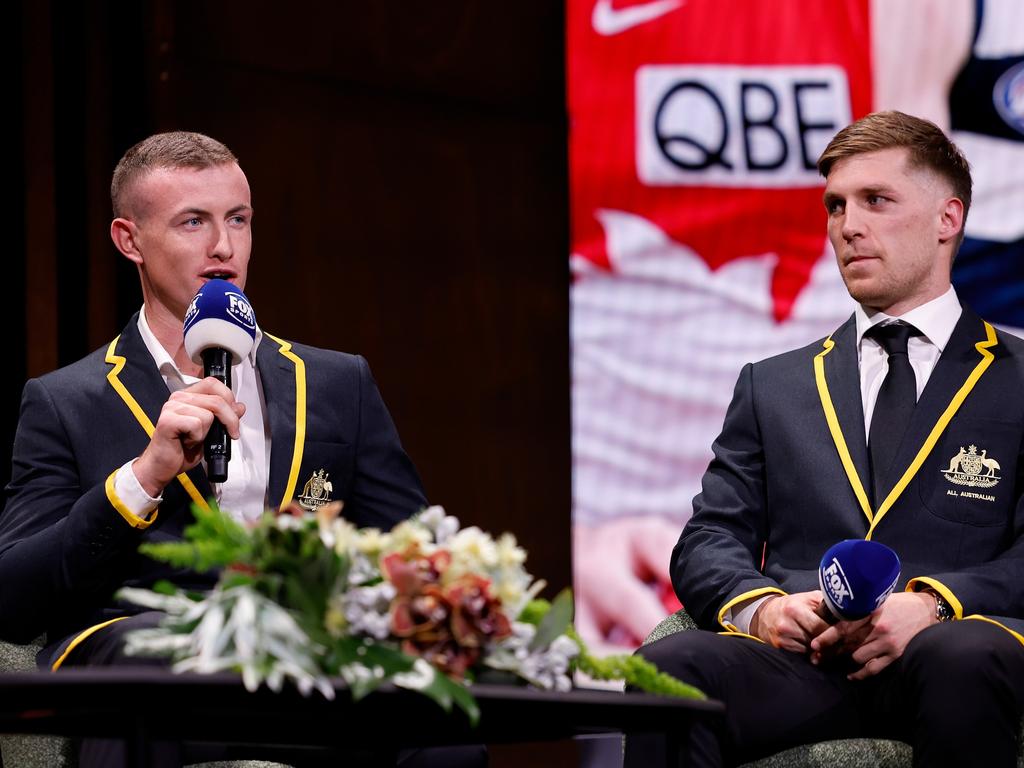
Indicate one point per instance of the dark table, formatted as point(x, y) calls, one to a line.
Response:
point(143, 705)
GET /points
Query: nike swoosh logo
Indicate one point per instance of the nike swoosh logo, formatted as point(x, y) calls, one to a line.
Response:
point(609, 21)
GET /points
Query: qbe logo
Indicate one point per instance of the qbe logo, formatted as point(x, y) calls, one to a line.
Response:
point(737, 126)
point(241, 310)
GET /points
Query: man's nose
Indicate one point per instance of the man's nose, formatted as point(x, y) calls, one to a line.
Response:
point(222, 247)
point(851, 225)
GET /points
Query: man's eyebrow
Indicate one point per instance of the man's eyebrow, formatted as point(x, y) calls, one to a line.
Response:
point(877, 189)
point(241, 208)
point(193, 211)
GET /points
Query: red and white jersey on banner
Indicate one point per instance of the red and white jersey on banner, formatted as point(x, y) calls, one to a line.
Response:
point(698, 231)
point(706, 118)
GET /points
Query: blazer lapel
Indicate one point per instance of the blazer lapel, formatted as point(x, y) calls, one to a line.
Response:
point(139, 374)
point(955, 364)
point(842, 373)
point(278, 375)
point(138, 381)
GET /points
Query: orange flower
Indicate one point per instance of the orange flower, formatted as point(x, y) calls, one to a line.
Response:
point(410, 570)
point(448, 626)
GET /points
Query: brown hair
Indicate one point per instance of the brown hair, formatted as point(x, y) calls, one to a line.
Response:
point(178, 149)
point(929, 148)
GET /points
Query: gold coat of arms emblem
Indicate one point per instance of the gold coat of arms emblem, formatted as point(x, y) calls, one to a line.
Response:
point(316, 492)
point(973, 469)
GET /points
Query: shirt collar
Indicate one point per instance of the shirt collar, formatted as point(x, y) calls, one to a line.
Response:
point(935, 319)
point(164, 362)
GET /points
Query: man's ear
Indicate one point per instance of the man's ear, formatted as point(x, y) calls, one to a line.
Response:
point(124, 234)
point(951, 219)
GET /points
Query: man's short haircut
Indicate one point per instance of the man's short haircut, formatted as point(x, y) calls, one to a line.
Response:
point(177, 149)
point(929, 148)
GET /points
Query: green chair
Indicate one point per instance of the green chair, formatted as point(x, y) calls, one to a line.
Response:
point(57, 751)
point(842, 753)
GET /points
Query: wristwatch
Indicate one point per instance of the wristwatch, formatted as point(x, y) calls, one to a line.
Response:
point(943, 611)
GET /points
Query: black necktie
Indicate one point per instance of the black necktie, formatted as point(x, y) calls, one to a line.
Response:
point(895, 404)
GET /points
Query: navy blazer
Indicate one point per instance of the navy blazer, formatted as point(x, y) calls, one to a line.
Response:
point(790, 478)
point(64, 546)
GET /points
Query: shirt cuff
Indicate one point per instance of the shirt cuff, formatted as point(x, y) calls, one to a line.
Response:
point(741, 614)
point(129, 490)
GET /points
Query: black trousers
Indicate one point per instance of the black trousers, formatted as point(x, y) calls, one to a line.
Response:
point(956, 695)
point(106, 648)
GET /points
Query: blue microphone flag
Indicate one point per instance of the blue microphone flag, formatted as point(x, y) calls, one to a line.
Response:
point(856, 576)
point(221, 316)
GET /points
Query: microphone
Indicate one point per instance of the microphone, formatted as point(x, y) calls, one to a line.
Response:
point(856, 576)
point(220, 330)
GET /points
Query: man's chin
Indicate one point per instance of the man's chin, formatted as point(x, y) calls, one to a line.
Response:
point(863, 291)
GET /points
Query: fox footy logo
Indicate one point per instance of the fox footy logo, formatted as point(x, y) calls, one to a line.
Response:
point(241, 310)
point(836, 583)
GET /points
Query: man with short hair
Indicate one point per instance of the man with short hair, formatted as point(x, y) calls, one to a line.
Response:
point(109, 450)
point(856, 436)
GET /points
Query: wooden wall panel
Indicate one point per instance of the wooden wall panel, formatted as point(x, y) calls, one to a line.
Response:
point(408, 165)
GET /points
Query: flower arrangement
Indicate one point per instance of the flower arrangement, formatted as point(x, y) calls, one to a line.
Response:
point(429, 605)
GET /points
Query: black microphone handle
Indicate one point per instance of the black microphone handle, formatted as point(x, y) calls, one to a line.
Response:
point(217, 445)
point(826, 615)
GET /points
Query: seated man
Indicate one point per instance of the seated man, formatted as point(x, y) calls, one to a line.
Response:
point(109, 450)
point(855, 436)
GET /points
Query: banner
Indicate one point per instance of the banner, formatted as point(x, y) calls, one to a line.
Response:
point(698, 230)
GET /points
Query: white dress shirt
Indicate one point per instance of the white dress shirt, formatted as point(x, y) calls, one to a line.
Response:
point(935, 320)
point(244, 493)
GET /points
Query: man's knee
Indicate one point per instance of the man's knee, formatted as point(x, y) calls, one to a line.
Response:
point(969, 654)
point(964, 645)
point(694, 656)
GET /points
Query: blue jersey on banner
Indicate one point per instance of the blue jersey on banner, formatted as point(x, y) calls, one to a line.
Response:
point(987, 119)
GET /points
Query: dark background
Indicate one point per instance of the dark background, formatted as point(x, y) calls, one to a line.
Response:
point(409, 172)
point(408, 164)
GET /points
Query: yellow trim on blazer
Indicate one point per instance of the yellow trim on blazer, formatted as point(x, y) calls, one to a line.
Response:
point(82, 636)
point(300, 416)
point(731, 628)
point(933, 437)
point(115, 501)
point(118, 362)
point(979, 617)
point(923, 582)
point(927, 582)
point(734, 633)
point(837, 431)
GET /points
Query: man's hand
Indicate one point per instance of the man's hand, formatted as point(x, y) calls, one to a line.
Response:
point(881, 638)
point(615, 564)
point(789, 622)
point(177, 442)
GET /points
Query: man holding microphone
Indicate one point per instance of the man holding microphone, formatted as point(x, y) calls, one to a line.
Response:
point(905, 427)
point(109, 450)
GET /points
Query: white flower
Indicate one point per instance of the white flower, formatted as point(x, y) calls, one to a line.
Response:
point(472, 551)
point(287, 522)
point(239, 628)
point(546, 667)
point(371, 542)
point(340, 535)
point(407, 533)
point(367, 610)
point(362, 570)
point(510, 554)
point(441, 525)
point(326, 516)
